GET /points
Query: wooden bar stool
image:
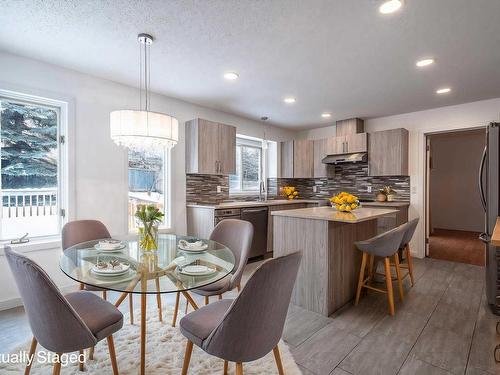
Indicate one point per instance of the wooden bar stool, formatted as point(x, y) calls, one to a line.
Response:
point(404, 249)
point(385, 245)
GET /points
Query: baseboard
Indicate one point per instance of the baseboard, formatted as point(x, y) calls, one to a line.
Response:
point(16, 302)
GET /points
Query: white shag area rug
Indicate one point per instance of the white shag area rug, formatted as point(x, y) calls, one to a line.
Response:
point(165, 347)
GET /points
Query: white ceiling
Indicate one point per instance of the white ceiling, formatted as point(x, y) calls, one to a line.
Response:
point(339, 56)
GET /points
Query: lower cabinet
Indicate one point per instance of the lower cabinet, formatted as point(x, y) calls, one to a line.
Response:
point(392, 221)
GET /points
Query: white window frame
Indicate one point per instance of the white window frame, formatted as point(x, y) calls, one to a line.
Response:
point(251, 142)
point(63, 182)
point(167, 193)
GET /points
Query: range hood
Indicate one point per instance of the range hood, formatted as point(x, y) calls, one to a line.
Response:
point(346, 158)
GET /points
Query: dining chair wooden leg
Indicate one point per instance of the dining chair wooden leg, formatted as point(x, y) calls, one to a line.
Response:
point(207, 300)
point(57, 365)
point(91, 353)
point(82, 286)
point(361, 278)
point(131, 307)
point(176, 308)
point(158, 299)
point(409, 261)
point(226, 365)
point(81, 360)
point(388, 280)
point(112, 354)
point(371, 264)
point(187, 357)
point(277, 358)
point(239, 368)
point(220, 297)
point(398, 275)
point(238, 287)
point(34, 343)
point(186, 307)
point(105, 295)
point(190, 300)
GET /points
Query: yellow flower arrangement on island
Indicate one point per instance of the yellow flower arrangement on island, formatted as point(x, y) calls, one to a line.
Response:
point(289, 192)
point(345, 202)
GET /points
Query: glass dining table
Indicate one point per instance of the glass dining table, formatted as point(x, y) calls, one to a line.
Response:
point(169, 269)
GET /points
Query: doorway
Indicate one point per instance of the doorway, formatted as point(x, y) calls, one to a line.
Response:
point(455, 216)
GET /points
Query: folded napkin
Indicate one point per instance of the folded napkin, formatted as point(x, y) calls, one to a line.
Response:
point(191, 245)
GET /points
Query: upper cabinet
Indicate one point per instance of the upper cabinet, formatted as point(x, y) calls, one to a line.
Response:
point(321, 149)
point(303, 151)
point(210, 147)
point(348, 144)
point(349, 126)
point(388, 153)
point(297, 159)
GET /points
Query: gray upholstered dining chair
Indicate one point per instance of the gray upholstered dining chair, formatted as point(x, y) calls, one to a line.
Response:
point(404, 248)
point(78, 231)
point(237, 235)
point(250, 326)
point(384, 245)
point(62, 324)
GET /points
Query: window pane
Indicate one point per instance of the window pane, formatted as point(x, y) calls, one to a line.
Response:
point(29, 168)
point(146, 181)
point(250, 165)
point(235, 179)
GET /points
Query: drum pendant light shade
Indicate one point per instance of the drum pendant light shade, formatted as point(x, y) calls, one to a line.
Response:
point(142, 128)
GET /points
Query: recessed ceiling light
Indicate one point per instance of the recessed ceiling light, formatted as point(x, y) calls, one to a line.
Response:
point(231, 76)
point(390, 6)
point(444, 90)
point(425, 62)
point(289, 100)
point(326, 115)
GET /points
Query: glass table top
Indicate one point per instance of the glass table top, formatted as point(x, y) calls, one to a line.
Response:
point(166, 270)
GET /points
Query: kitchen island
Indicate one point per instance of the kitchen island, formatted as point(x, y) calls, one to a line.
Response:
point(330, 264)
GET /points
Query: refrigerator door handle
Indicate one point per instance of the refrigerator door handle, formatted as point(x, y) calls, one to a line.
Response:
point(484, 238)
point(481, 170)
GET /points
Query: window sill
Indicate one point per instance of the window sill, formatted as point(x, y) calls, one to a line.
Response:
point(39, 244)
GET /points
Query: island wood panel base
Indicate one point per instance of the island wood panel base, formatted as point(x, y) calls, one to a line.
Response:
point(329, 270)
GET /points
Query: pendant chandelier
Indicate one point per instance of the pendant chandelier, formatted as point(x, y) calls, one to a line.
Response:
point(143, 129)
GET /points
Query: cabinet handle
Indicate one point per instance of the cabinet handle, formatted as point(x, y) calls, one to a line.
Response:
point(346, 146)
point(220, 167)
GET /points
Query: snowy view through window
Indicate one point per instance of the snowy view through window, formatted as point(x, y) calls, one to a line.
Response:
point(29, 160)
point(146, 181)
point(248, 167)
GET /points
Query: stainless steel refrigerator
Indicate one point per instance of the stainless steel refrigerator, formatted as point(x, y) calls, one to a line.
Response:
point(489, 184)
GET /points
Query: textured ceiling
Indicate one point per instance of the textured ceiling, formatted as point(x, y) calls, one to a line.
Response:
point(339, 56)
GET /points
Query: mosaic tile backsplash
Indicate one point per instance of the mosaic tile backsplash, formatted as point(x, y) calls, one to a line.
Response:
point(202, 189)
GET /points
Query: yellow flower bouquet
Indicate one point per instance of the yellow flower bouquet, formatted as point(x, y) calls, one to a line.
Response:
point(289, 192)
point(345, 202)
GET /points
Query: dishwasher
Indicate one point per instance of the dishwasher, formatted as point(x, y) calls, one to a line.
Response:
point(258, 216)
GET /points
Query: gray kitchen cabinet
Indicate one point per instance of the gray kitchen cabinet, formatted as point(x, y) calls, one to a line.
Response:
point(349, 126)
point(210, 147)
point(287, 159)
point(356, 142)
point(388, 153)
point(303, 154)
point(297, 159)
point(321, 149)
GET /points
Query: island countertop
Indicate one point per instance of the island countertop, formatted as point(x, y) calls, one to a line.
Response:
point(330, 214)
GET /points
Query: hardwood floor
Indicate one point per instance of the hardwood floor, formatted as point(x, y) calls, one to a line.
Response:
point(457, 246)
point(443, 327)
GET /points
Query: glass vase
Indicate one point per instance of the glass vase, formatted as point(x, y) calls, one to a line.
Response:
point(148, 237)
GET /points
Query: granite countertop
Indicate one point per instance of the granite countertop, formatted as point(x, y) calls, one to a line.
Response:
point(385, 204)
point(330, 214)
point(242, 204)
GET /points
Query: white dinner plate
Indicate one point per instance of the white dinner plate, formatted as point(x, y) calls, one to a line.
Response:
point(193, 249)
point(197, 270)
point(111, 272)
point(110, 249)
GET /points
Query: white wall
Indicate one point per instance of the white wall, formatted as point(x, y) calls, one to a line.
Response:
point(100, 166)
point(453, 191)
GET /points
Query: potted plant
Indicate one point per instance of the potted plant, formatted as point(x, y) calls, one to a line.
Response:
point(149, 218)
